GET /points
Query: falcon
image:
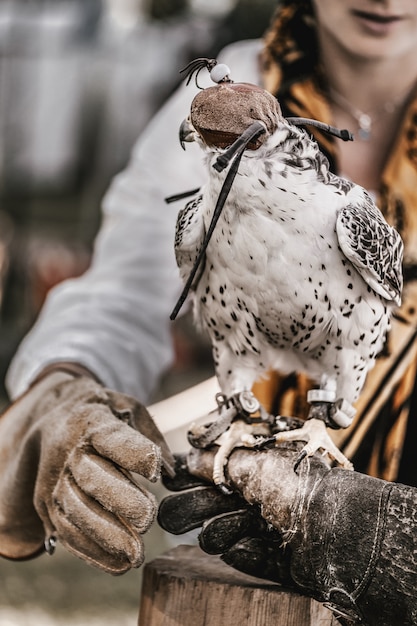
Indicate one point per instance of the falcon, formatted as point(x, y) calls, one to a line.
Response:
point(290, 267)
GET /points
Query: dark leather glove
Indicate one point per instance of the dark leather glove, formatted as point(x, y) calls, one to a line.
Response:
point(341, 537)
point(68, 452)
point(230, 526)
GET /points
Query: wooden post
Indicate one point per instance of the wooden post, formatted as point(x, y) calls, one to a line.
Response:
point(186, 587)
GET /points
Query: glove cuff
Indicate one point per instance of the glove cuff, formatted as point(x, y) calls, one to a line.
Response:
point(75, 369)
point(348, 541)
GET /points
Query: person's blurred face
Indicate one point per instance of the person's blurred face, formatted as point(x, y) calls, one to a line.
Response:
point(371, 29)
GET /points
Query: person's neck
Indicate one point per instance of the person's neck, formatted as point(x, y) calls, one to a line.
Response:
point(369, 84)
point(369, 98)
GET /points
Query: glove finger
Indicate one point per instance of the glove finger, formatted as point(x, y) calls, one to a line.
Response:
point(220, 533)
point(128, 448)
point(261, 558)
point(85, 548)
point(80, 521)
point(114, 489)
point(185, 511)
point(139, 418)
point(182, 478)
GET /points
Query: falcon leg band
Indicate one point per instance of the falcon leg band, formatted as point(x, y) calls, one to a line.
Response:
point(335, 414)
point(243, 406)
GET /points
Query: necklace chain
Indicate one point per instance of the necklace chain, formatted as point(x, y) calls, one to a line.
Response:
point(364, 120)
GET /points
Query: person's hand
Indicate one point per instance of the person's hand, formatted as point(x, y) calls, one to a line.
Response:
point(68, 448)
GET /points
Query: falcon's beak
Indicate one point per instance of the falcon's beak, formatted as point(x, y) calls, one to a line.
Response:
point(187, 133)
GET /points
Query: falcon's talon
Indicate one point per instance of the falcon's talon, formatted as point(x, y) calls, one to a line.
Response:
point(225, 489)
point(300, 458)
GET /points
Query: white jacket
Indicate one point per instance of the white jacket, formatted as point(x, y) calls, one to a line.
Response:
point(114, 319)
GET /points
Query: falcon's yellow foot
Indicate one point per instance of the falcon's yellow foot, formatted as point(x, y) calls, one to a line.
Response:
point(314, 432)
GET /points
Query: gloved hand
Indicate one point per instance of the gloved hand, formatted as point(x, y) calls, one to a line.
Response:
point(340, 537)
point(230, 525)
point(240, 527)
point(68, 448)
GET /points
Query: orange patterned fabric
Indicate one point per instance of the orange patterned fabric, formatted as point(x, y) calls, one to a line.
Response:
point(375, 440)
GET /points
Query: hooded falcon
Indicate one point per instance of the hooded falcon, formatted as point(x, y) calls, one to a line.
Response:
point(291, 267)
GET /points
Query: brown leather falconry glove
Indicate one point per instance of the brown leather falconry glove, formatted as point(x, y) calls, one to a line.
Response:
point(68, 448)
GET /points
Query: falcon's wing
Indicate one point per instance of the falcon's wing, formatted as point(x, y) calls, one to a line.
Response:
point(189, 235)
point(372, 246)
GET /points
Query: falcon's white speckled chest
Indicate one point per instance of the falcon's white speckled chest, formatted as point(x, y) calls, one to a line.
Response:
point(277, 290)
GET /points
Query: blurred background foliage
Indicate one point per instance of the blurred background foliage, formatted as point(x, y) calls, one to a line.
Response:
point(79, 80)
